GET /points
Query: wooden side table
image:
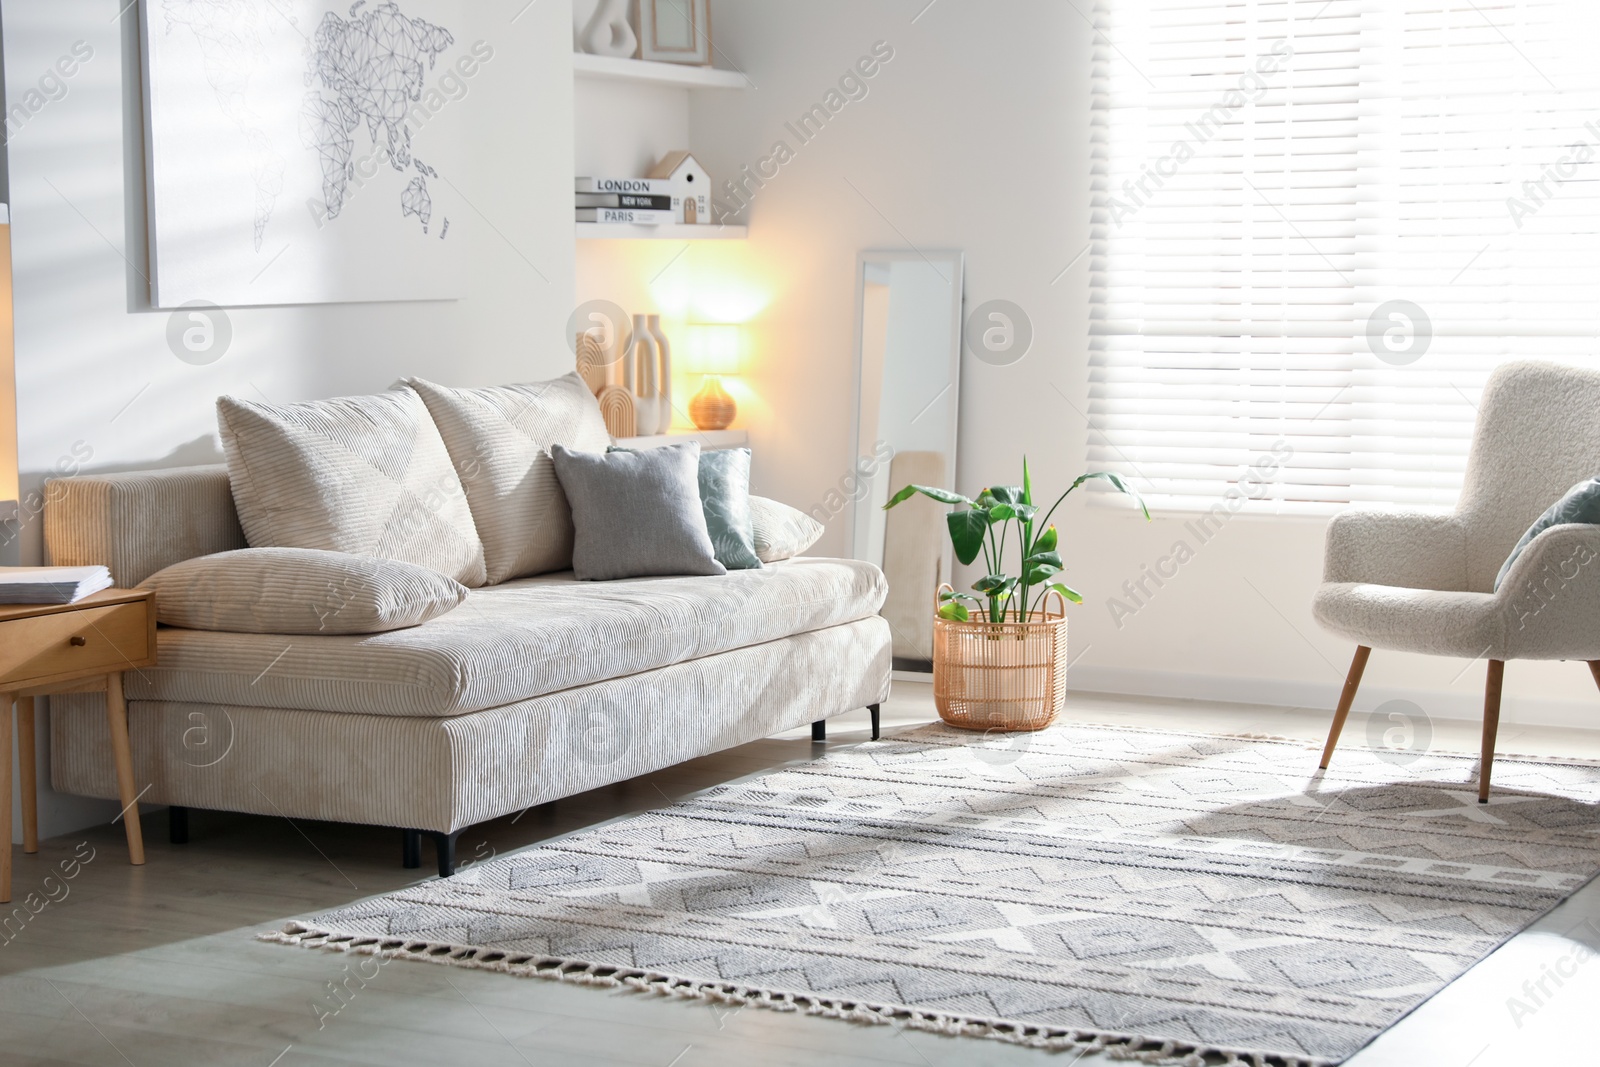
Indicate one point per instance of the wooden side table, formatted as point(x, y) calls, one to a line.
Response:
point(70, 648)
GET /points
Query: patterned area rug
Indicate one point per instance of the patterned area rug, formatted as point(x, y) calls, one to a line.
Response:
point(1174, 898)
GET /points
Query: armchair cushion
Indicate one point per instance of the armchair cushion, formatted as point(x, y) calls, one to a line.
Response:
point(1580, 504)
point(1547, 608)
point(1412, 549)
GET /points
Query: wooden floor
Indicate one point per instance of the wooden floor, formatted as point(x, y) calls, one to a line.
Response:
point(157, 965)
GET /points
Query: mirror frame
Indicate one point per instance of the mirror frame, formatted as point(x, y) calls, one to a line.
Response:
point(955, 261)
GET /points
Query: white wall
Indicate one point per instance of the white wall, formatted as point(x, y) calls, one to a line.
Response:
point(95, 377)
point(975, 136)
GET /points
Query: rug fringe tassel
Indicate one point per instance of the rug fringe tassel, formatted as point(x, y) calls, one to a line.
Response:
point(1127, 1047)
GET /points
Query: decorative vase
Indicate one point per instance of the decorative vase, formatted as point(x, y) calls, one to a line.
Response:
point(609, 33)
point(712, 408)
point(663, 372)
point(646, 365)
point(1009, 675)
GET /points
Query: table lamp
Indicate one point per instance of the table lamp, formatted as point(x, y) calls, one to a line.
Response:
point(713, 351)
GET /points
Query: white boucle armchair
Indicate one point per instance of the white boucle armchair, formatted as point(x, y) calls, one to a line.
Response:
point(1413, 582)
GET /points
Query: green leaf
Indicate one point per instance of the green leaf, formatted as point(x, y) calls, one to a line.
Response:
point(1027, 483)
point(1052, 558)
point(1071, 594)
point(954, 611)
point(1025, 512)
point(1007, 494)
point(1047, 540)
point(1039, 573)
point(944, 496)
point(995, 586)
point(967, 530)
point(951, 594)
point(1115, 481)
point(986, 499)
point(1001, 512)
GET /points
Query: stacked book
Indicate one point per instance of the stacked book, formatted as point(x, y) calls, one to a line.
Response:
point(51, 585)
point(646, 201)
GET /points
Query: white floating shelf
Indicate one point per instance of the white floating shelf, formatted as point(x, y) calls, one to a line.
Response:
point(670, 231)
point(709, 439)
point(675, 75)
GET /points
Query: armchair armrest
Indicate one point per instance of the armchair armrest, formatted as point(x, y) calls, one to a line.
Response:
point(1413, 549)
point(1551, 596)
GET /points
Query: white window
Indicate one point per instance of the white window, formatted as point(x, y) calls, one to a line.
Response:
point(1319, 224)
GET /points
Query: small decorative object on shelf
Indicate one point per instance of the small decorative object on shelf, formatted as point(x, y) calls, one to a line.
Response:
point(691, 187)
point(642, 374)
point(593, 366)
point(675, 31)
point(664, 378)
point(616, 408)
point(608, 32)
point(713, 351)
point(1005, 670)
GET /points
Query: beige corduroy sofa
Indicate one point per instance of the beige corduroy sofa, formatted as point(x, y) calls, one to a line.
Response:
point(531, 690)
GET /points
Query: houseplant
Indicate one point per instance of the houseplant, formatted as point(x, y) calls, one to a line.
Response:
point(1006, 668)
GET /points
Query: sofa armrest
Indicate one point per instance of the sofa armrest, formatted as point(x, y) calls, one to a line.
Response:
point(1552, 596)
point(1413, 549)
point(140, 522)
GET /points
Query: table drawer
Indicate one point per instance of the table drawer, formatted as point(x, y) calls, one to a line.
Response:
point(73, 644)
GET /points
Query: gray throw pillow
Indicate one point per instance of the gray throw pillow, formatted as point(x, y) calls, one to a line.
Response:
point(299, 591)
point(636, 514)
point(725, 499)
point(1581, 504)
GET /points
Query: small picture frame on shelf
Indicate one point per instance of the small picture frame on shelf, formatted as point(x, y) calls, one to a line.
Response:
point(675, 31)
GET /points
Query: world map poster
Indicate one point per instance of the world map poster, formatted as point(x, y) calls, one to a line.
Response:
point(304, 152)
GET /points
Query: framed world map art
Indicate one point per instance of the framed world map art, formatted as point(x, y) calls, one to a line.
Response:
point(300, 151)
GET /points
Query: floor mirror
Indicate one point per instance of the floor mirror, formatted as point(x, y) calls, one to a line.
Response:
point(908, 385)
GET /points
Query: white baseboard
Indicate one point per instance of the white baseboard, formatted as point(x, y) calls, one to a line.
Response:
point(1323, 696)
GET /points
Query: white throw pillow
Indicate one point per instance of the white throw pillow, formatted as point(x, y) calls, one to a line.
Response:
point(366, 475)
point(500, 440)
point(299, 591)
point(781, 531)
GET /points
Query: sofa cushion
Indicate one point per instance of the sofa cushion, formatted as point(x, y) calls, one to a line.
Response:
point(636, 514)
point(781, 532)
point(367, 475)
point(499, 439)
point(725, 502)
point(514, 641)
point(299, 591)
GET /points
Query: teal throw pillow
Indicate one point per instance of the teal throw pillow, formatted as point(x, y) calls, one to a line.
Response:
point(725, 497)
point(1581, 504)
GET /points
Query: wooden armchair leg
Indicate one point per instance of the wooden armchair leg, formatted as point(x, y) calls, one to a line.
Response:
point(1594, 669)
point(1491, 724)
point(1352, 682)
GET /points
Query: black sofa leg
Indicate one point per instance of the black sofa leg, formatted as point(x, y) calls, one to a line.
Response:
point(444, 846)
point(872, 709)
point(178, 825)
point(819, 730)
point(411, 849)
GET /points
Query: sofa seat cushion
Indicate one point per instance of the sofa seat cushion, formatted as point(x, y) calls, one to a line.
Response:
point(513, 641)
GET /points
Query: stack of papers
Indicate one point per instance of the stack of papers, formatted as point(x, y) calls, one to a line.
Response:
point(51, 585)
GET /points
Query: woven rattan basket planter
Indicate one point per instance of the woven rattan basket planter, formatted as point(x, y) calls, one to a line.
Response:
point(1008, 675)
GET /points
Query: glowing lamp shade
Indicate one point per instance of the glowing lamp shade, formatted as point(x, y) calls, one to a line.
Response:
point(713, 350)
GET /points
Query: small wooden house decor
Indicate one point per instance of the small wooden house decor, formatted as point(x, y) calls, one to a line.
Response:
point(691, 199)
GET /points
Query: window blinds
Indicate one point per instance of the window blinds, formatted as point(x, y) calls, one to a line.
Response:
point(1317, 226)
